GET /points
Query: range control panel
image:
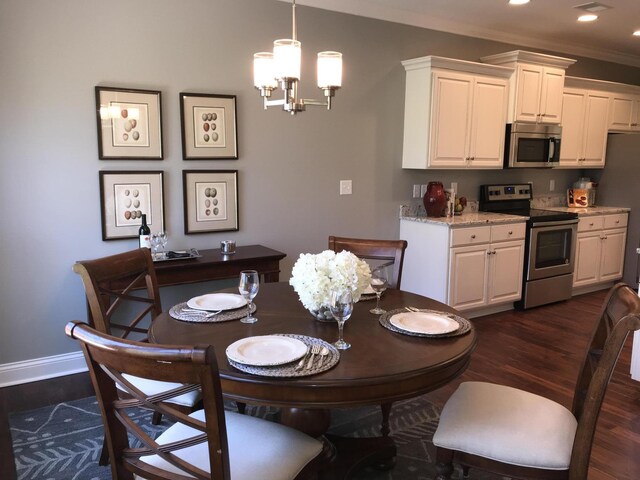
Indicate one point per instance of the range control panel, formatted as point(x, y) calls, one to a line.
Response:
point(500, 193)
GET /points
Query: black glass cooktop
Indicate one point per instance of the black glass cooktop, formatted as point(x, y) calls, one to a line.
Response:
point(538, 215)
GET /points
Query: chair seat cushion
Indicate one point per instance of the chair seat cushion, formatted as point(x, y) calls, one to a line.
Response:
point(153, 387)
point(508, 425)
point(275, 451)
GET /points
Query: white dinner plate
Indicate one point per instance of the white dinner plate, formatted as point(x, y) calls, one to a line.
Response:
point(217, 301)
point(266, 350)
point(424, 322)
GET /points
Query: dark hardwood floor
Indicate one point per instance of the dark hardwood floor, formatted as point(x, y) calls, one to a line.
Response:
point(539, 350)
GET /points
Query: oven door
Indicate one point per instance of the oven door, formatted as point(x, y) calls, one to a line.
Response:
point(551, 249)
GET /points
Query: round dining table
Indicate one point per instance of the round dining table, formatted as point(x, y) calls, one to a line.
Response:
point(381, 366)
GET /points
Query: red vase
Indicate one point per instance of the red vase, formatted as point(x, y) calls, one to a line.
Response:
point(435, 200)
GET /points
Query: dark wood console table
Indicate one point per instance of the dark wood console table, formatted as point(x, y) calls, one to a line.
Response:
point(213, 265)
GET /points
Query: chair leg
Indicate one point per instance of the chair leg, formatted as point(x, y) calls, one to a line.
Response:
point(444, 464)
point(104, 454)
point(386, 412)
point(242, 407)
point(157, 418)
point(465, 472)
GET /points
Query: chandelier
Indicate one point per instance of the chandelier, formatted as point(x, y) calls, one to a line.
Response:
point(283, 66)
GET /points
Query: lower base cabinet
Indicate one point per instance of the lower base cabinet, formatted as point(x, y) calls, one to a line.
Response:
point(600, 249)
point(465, 267)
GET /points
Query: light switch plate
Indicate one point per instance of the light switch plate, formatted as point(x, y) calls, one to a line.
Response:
point(423, 190)
point(346, 187)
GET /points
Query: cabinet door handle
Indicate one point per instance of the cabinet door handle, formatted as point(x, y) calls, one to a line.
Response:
point(617, 221)
point(510, 232)
point(472, 158)
point(473, 236)
point(591, 224)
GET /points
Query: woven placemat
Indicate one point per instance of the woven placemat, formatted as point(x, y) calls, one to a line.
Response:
point(178, 312)
point(288, 370)
point(465, 325)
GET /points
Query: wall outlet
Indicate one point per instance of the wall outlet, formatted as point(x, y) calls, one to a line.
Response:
point(346, 187)
point(552, 185)
point(454, 187)
point(423, 190)
point(416, 191)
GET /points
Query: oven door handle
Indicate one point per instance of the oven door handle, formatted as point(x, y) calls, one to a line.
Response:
point(554, 224)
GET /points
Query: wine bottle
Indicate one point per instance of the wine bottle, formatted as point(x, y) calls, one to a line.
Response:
point(144, 233)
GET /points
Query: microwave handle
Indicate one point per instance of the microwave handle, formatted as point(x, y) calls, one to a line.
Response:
point(552, 149)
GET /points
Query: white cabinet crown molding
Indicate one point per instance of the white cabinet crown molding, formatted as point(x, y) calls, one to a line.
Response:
point(522, 56)
point(602, 85)
point(433, 61)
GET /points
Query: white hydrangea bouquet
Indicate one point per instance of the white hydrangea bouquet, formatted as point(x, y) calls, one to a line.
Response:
point(316, 276)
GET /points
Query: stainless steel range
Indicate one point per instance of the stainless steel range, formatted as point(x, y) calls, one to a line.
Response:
point(549, 247)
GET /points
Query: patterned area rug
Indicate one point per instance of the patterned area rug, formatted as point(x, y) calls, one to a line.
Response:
point(63, 441)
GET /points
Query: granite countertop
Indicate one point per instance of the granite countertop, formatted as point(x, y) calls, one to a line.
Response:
point(590, 211)
point(467, 219)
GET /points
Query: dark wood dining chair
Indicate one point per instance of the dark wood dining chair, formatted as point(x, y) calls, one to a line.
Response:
point(518, 434)
point(391, 251)
point(114, 309)
point(209, 443)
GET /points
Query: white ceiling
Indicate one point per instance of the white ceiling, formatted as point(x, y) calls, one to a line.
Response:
point(543, 24)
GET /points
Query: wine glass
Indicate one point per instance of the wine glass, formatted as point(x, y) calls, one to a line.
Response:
point(164, 238)
point(379, 283)
point(341, 307)
point(155, 242)
point(248, 288)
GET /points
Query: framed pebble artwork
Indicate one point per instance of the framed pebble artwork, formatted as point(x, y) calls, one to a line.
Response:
point(129, 124)
point(208, 126)
point(125, 196)
point(210, 200)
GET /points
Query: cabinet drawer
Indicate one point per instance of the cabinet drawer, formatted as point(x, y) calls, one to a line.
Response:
point(470, 236)
point(618, 220)
point(587, 224)
point(511, 231)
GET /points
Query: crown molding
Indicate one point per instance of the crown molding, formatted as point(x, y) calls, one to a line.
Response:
point(366, 8)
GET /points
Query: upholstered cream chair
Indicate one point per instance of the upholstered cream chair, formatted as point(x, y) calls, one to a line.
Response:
point(208, 444)
point(518, 434)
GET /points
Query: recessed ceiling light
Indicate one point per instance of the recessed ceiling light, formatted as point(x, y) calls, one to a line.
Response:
point(587, 18)
point(518, 2)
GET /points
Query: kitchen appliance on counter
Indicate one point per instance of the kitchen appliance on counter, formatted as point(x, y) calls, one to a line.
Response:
point(549, 246)
point(532, 145)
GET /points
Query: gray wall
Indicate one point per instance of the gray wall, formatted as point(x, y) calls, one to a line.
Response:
point(619, 185)
point(54, 53)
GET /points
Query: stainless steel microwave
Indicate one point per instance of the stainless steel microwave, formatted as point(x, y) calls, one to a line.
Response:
point(532, 145)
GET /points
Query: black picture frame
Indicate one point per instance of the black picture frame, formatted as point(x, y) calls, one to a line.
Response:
point(210, 201)
point(129, 123)
point(125, 196)
point(209, 126)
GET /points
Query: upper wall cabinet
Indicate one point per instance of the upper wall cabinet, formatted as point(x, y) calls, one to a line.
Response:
point(536, 87)
point(625, 112)
point(584, 128)
point(455, 114)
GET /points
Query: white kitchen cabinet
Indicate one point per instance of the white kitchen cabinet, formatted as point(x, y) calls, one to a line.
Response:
point(466, 267)
point(537, 85)
point(600, 249)
point(625, 112)
point(539, 94)
point(455, 114)
point(584, 128)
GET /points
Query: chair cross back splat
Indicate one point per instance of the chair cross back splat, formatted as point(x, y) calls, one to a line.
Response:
point(209, 443)
point(390, 250)
point(476, 425)
point(109, 283)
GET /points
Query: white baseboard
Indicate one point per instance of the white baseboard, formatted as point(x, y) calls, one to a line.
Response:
point(41, 368)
